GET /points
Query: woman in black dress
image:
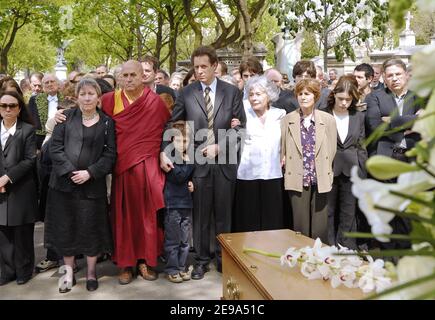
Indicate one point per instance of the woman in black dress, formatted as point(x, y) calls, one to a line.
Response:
point(83, 152)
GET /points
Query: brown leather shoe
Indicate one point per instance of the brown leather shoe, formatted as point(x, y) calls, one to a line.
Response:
point(125, 276)
point(146, 272)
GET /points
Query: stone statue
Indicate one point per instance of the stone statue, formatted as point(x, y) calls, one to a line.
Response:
point(60, 57)
point(408, 18)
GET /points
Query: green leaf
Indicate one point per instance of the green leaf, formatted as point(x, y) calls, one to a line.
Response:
point(384, 168)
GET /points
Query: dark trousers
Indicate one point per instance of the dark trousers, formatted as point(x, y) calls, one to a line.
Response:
point(212, 198)
point(399, 225)
point(259, 205)
point(17, 254)
point(341, 212)
point(310, 212)
point(176, 244)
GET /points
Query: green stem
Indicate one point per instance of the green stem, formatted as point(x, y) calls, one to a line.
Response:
point(413, 198)
point(402, 286)
point(364, 235)
point(426, 295)
point(408, 124)
point(425, 168)
point(264, 253)
point(390, 253)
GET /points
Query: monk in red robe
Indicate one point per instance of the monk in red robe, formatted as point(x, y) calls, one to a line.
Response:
point(140, 116)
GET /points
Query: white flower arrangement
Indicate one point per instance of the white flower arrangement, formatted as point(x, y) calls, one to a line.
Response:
point(350, 270)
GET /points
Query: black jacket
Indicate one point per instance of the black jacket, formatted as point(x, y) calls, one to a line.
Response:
point(381, 103)
point(65, 147)
point(351, 151)
point(19, 205)
point(176, 192)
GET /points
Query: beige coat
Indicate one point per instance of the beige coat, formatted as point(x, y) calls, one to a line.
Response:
point(291, 149)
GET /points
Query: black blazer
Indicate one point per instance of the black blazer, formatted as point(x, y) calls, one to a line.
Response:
point(286, 101)
point(65, 147)
point(351, 152)
point(19, 205)
point(228, 104)
point(381, 103)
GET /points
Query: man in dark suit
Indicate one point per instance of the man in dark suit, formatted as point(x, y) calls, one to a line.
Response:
point(44, 106)
point(210, 104)
point(393, 107)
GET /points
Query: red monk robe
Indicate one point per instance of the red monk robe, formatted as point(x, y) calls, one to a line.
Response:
point(137, 184)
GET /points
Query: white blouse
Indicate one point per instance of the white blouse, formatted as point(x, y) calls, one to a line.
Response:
point(262, 146)
point(5, 133)
point(342, 122)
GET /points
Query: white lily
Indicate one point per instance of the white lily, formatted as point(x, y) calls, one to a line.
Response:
point(370, 193)
point(310, 270)
point(290, 257)
point(426, 126)
point(423, 78)
point(346, 276)
point(412, 267)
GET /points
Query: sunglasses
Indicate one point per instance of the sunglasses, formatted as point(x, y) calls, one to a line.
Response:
point(8, 105)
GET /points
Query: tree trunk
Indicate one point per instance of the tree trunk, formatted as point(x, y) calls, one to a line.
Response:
point(4, 62)
point(4, 51)
point(242, 5)
point(173, 49)
point(159, 36)
point(139, 37)
point(325, 41)
point(325, 52)
point(173, 30)
point(195, 26)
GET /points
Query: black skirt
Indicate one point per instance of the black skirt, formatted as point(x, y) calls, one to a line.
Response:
point(258, 205)
point(76, 225)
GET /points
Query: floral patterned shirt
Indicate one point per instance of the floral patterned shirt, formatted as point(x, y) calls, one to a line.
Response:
point(308, 140)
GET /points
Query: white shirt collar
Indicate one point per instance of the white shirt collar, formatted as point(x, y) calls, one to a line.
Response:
point(11, 130)
point(5, 133)
point(212, 85)
point(52, 98)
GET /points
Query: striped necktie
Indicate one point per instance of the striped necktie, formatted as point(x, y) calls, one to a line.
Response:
point(209, 109)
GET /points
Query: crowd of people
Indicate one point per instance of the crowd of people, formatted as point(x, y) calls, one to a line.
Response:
point(140, 165)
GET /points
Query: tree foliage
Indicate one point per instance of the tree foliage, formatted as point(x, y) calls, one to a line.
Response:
point(112, 31)
point(339, 24)
point(309, 48)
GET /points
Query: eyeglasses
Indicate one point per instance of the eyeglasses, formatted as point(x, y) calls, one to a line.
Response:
point(8, 105)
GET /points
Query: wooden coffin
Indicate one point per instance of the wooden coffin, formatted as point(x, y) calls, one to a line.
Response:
point(249, 276)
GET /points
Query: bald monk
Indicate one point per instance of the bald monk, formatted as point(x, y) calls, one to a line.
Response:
point(137, 188)
point(140, 116)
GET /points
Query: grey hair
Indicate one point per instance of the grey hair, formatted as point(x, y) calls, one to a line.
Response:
point(88, 82)
point(47, 75)
point(262, 82)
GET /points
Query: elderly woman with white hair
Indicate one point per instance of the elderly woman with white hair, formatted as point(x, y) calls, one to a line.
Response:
point(259, 186)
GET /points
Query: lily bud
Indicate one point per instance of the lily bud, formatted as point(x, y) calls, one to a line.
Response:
point(384, 168)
